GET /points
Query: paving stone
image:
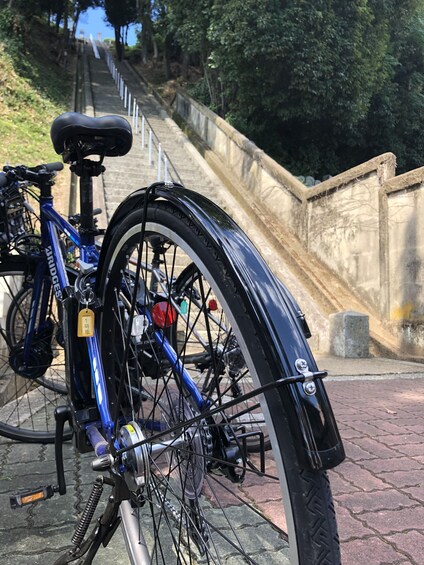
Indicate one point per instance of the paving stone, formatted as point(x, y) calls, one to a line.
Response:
point(375, 447)
point(349, 526)
point(217, 492)
point(264, 493)
point(369, 551)
point(274, 510)
point(356, 452)
point(376, 500)
point(381, 466)
point(416, 429)
point(340, 486)
point(33, 541)
point(411, 449)
point(347, 432)
point(11, 480)
point(361, 477)
point(26, 453)
point(395, 440)
point(267, 558)
point(416, 492)
point(390, 427)
point(35, 469)
point(367, 428)
point(412, 543)
point(402, 479)
point(390, 521)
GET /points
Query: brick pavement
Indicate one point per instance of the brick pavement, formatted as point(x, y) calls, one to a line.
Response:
point(378, 490)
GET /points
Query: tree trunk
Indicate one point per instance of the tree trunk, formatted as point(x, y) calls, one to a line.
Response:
point(118, 43)
point(184, 69)
point(59, 14)
point(155, 47)
point(167, 57)
point(144, 37)
point(209, 82)
point(75, 24)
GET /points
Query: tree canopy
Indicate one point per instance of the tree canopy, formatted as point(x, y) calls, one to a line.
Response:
point(321, 85)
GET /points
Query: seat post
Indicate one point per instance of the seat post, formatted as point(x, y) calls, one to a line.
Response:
point(86, 170)
point(86, 209)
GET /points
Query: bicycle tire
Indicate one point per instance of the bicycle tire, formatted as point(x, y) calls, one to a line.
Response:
point(185, 519)
point(28, 402)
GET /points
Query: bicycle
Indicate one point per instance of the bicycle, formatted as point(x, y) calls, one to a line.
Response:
point(192, 360)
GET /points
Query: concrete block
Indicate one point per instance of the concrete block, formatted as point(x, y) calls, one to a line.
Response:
point(349, 334)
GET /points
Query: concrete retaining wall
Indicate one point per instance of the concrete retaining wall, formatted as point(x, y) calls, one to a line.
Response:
point(364, 224)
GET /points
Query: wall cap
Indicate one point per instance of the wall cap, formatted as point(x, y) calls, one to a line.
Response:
point(282, 175)
point(407, 181)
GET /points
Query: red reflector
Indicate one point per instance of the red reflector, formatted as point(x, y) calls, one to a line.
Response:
point(163, 314)
point(213, 305)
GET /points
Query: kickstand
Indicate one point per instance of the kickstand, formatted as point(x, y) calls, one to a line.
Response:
point(85, 551)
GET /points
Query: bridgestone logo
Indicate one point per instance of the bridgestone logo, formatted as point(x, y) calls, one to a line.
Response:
point(53, 273)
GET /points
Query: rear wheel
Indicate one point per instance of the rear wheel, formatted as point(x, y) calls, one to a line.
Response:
point(233, 379)
point(30, 391)
point(198, 495)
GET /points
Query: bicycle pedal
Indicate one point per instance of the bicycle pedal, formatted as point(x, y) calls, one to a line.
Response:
point(29, 496)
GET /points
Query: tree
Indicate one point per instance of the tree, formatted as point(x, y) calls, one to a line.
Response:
point(119, 15)
point(189, 23)
point(78, 8)
point(395, 118)
point(299, 77)
point(147, 36)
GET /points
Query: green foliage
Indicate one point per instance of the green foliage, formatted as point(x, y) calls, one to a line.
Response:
point(319, 84)
point(301, 77)
point(394, 121)
point(189, 23)
point(133, 54)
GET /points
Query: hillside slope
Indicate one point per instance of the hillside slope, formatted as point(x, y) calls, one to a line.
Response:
point(34, 89)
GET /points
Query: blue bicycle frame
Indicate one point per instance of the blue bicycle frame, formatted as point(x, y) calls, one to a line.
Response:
point(52, 224)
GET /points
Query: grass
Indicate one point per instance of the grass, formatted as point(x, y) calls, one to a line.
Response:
point(34, 89)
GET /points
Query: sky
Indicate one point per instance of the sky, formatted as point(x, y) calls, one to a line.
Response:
point(92, 21)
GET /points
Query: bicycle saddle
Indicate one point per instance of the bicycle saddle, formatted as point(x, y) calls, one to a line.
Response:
point(76, 136)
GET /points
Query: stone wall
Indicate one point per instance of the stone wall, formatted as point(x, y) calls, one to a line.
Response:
point(365, 224)
point(346, 228)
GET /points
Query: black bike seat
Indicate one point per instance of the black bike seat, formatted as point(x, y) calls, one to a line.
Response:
point(76, 136)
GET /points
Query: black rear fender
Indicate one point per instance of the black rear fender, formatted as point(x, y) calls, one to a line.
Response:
point(273, 310)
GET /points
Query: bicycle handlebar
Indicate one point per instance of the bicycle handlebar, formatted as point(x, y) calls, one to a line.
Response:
point(51, 167)
point(31, 174)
